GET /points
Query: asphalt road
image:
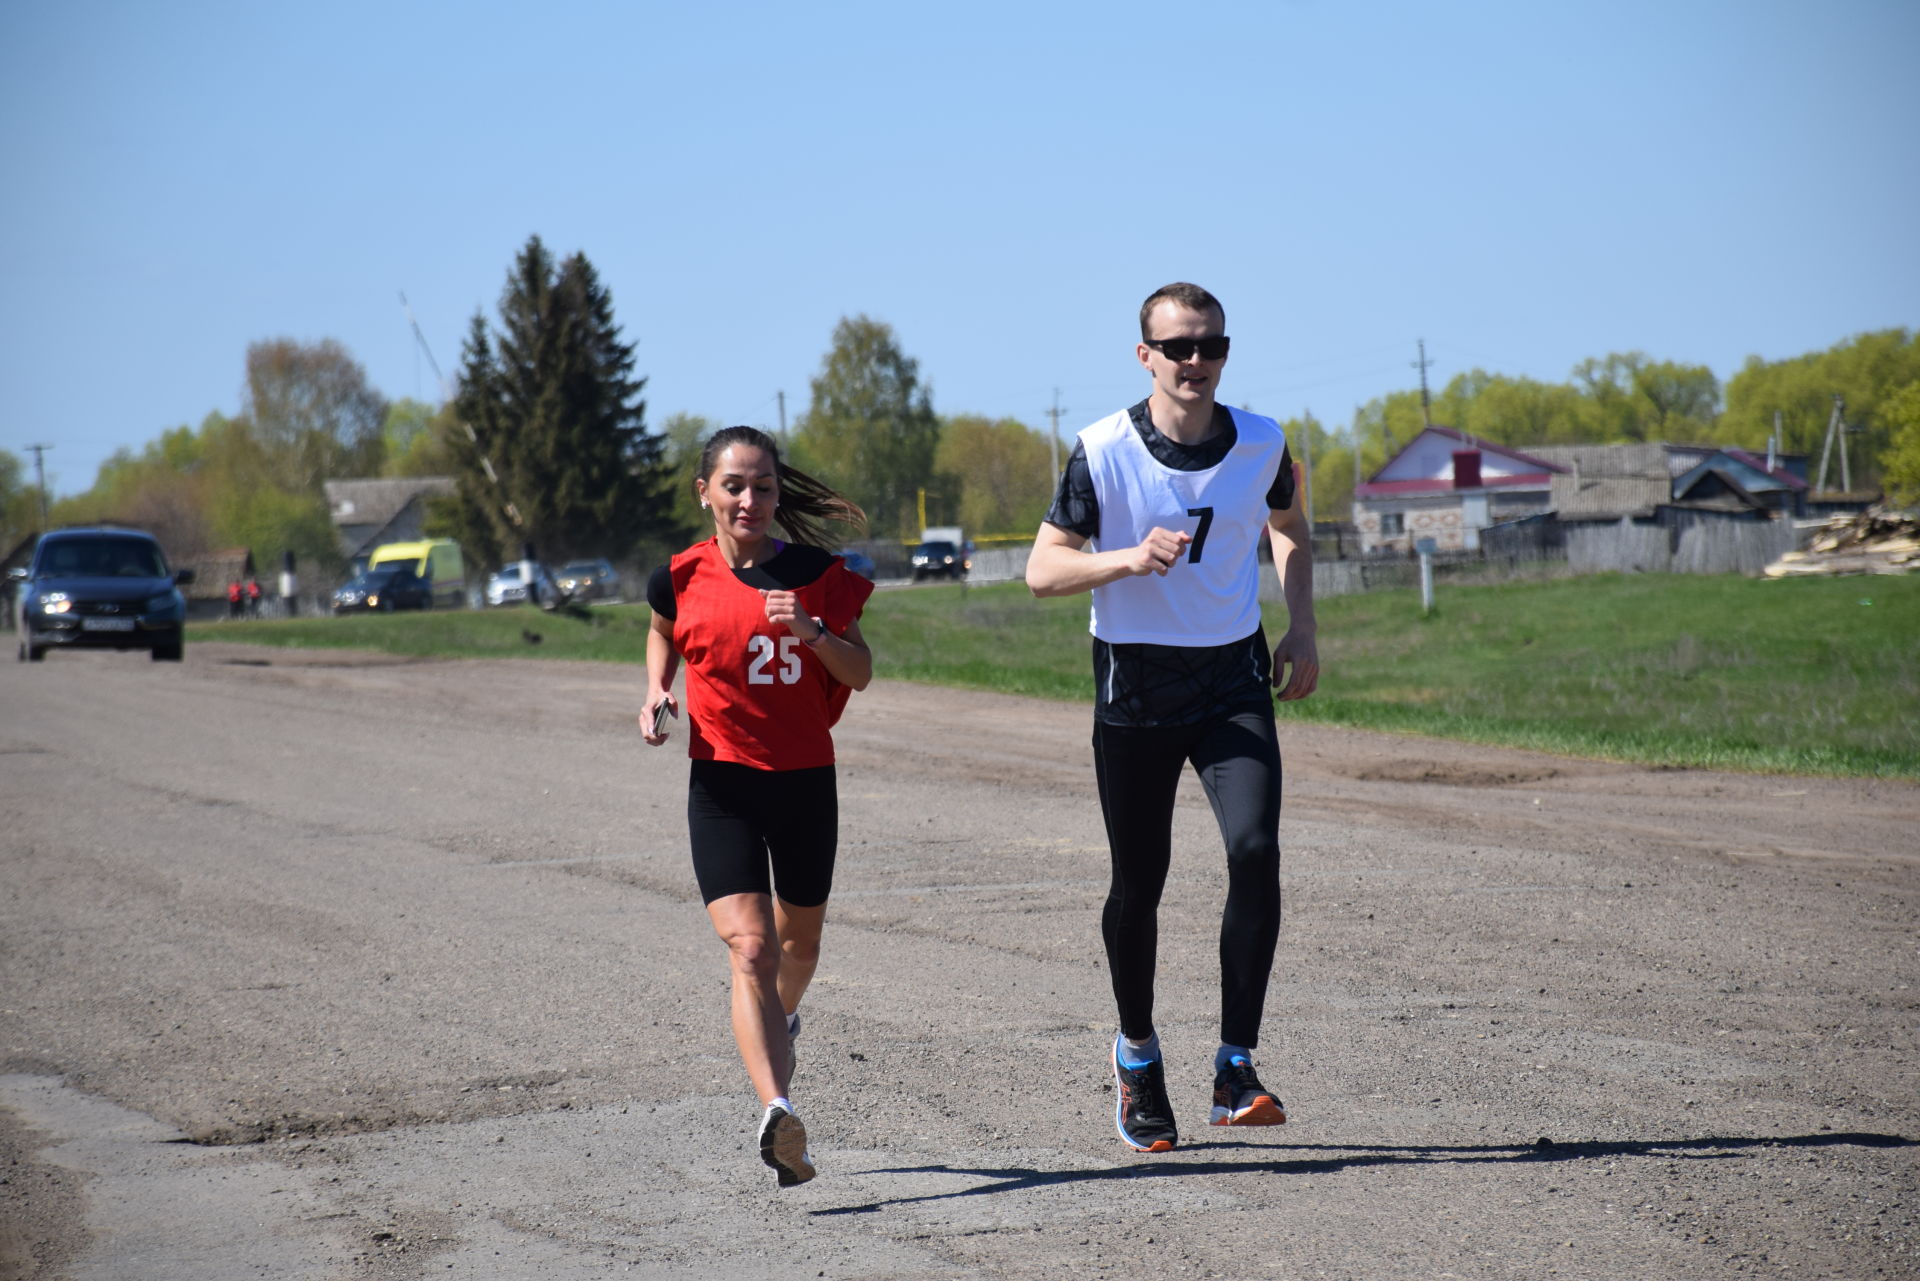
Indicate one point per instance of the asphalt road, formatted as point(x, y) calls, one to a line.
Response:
point(319, 966)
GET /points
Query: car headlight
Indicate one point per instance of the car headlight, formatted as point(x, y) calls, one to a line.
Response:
point(163, 601)
point(55, 603)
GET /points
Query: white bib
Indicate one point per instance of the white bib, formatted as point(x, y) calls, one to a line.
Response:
point(1211, 596)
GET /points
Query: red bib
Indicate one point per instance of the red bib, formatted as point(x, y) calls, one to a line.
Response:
point(756, 694)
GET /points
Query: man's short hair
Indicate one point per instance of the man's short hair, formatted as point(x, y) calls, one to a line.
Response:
point(1192, 297)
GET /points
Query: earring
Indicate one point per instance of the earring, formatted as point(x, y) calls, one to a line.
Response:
point(704, 504)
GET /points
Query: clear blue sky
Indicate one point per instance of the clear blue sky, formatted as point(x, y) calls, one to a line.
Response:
point(1522, 184)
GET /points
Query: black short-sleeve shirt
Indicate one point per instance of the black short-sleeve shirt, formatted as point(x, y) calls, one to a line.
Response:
point(789, 569)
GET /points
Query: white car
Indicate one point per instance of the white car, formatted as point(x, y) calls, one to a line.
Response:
point(505, 587)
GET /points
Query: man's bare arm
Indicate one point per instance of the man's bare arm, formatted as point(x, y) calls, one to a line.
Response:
point(1058, 566)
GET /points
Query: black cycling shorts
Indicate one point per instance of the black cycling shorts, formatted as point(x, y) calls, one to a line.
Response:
point(757, 831)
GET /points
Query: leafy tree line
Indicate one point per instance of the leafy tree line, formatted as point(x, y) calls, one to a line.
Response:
point(547, 439)
point(1625, 398)
point(19, 502)
point(254, 480)
point(871, 432)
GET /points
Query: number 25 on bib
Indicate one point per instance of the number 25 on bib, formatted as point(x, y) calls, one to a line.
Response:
point(761, 669)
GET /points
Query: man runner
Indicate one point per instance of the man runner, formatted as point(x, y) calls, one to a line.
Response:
point(1174, 494)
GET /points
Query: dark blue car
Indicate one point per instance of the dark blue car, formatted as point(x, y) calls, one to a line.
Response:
point(384, 588)
point(101, 588)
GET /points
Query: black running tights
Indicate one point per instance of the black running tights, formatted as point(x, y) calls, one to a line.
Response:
point(1138, 769)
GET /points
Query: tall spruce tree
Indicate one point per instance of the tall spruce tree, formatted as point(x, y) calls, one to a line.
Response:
point(552, 446)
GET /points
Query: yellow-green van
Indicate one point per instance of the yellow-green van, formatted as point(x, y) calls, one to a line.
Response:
point(436, 559)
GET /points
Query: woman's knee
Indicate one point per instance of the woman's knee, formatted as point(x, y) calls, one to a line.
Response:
point(754, 952)
point(803, 950)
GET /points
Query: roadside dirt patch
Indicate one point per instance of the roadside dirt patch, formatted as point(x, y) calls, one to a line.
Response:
point(41, 1228)
point(1452, 774)
point(231, 655)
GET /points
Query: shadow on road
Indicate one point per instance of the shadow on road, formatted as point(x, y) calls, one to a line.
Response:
point(1332, 1158)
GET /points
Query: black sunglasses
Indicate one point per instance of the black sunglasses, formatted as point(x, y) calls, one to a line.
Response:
point(1180, 350)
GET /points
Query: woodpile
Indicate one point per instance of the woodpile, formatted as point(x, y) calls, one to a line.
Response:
point(1876, 541)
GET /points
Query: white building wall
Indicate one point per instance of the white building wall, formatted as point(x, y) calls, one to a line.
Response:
point(1440, 518)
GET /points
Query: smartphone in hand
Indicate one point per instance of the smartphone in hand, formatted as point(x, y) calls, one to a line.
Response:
point(664, 713)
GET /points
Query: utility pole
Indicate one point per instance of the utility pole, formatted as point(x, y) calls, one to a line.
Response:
point(1426, 404)
point(1826, 450)
point(1353, 498)
point(1773, 443)
point(783, 413)
point(1356, 449)
point(1053, 436)
point(1846, 475)
point(1306, 469)
point(40, 479)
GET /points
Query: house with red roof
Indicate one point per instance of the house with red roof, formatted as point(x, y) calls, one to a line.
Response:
point(1448, 486)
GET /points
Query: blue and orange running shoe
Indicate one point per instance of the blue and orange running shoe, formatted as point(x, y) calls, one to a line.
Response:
point(1240, 1099)
point(1142, 1114)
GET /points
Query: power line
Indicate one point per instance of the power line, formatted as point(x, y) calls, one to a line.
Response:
point(446, 393)
point(1358, 374)
point(473, 438)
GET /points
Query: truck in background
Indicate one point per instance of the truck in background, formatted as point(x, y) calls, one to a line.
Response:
point(945, 534)
point(437, 560)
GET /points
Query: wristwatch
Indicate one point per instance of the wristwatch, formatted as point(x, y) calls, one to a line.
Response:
point(819, 635)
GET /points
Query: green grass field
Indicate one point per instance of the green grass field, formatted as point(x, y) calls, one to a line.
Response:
point(1816, 676)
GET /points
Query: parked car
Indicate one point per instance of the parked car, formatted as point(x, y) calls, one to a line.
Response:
point(939, 558)
point(384, 589)
point(590, 580)
point(505, 587)
point(100, 588)
point(859, 563)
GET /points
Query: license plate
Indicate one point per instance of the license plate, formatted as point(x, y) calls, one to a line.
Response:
point(106, 624)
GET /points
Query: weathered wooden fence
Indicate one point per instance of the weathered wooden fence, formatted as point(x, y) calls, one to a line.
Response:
point(1714, 547)
point(1718, 547)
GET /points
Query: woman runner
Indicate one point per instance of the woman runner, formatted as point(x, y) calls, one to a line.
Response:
point(769, 633)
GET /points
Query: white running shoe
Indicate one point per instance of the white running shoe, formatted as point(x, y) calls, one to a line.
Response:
point(783, 1145)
